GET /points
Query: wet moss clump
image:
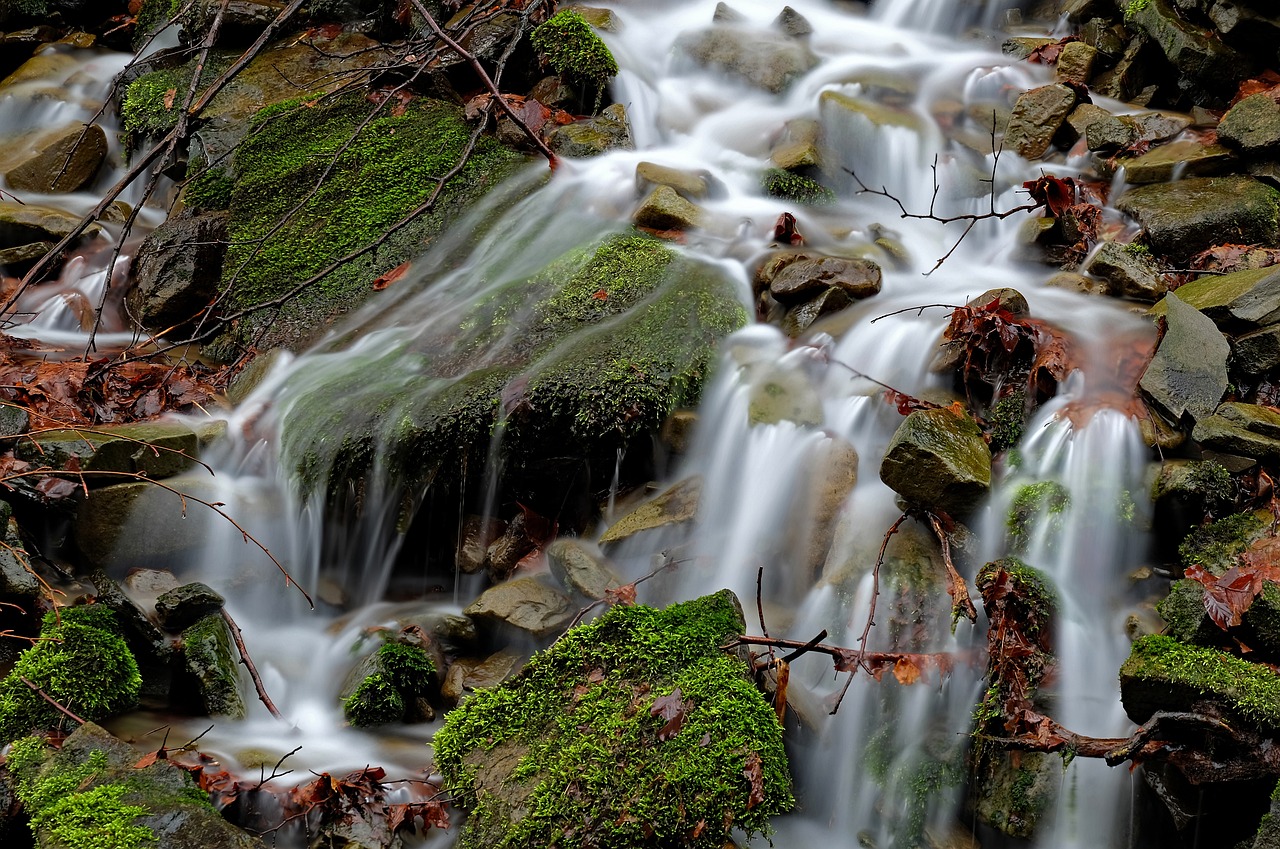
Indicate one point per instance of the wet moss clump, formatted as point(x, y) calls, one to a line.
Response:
point(1212, 546)
point(573, 751)
point(401, 675)
point(795, 187)
point(1035, 503)
point(81, 662)
point(572, 48)
point(1164, 674)
point(287, 223)
point(1008, 420)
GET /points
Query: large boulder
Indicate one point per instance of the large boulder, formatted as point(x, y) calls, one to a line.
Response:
point(55, 161)
point(177, 269)
point(1240, 300)
point(156, 450)
point(1204, 62)
point(634, 730)
point(1183, 218)
point(938, 459)
point(1036, 118)
point(1188, 373)
point(1252, 126)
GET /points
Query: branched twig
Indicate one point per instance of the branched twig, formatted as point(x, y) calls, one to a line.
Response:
point(42, 694)
point(961, 604)
point(253, 670)
point(667, 563)
point(275, 770)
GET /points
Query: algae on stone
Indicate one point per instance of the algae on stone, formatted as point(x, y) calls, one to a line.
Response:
point(573, 751)
point(396, 676)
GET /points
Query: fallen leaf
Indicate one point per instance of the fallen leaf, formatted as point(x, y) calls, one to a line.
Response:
point(387, 278)
point(753, 772)
point(168, 98)
point(672, 708)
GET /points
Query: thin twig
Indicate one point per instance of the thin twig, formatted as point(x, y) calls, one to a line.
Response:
point(42, 694)
point(961, 603)
point(253, 670)
point(275, 773)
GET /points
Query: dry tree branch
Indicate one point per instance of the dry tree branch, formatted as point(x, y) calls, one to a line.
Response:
point(42, 694)
point(961, 604)
point(253, 670)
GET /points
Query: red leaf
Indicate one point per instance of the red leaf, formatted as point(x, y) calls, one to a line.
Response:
point(785, 230)
point(601, 295)
point(386, 279)
point(1054, 193)
point(624, 595)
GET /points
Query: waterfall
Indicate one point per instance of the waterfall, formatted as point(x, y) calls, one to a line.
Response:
point(887, 769)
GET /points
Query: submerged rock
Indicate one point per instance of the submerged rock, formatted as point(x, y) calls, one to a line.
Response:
point(767, 60)
point(634, 730)
point(938, 459)
point(677, 505)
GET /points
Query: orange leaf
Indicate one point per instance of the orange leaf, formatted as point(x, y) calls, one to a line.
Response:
point(601, 295)
point(385, 280)
point(168, 98)
point(905, 671)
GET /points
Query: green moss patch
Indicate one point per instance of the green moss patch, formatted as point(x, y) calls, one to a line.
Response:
point(570, 46)
point(795, 187)
point(1163, 674)
point(81, 662)
point(1212, 546)
point(1033, 504)
point(399, 675)
point(576, 751)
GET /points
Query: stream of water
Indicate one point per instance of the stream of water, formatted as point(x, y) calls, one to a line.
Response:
point(886, 769)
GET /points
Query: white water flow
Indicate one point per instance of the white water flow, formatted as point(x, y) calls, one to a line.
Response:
point(887, 770)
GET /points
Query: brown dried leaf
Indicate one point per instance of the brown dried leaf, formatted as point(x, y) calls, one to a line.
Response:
point(672, 708)
point(754, 774)
point(387, 278)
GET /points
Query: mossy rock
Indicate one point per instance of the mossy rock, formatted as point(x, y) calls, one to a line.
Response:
point(593, 351)
point(1214, 545)
point(571, 47)
point(388, 686)
point(81, 662)
point(1164, 674)
point(574, 752)
point(938, 459)
point(1037, 506)
point(377, 174)
point(91, 793)
point(210, 672)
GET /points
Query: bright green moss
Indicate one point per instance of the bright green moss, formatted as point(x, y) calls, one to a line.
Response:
point(1134, 7)
point(569, 44)
point(1213, 545)
point(348, 189)
point(794, 187)
point(1008, 418)
point(1037, 502)
point(66, 811)
point(81, 662)
point(574, 735)
point(401, 674)
point(207, 647)
point(209, 190)
point(1250, 689)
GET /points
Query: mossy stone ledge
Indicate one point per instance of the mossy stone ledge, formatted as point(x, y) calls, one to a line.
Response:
point(576, 751)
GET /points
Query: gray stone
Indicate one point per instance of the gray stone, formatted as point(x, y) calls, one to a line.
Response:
point(675, 506)
point(471, 674)
point(610, 130)
point(1110, 133)
point(209, 679)
point(526, 604)
point(1188, 374)
point(1252, 126)
point(18, 584)
point(55, 161)
point(793, 23)
point(664, 209)
point(27, 223)
point(601, 19)
point(1020, 47)
point(177, 270)
point(14, 421)
point(938, 459)
point(182, 606)
point(1185, 158)
point(1247, 299)
point(158, 449)
point(478, 533)
point(1130, 272)
point(1036, 118)
point(581, 567)
point(1078, 120)
point(1183, 218)
point(767, 60)
point(1252, 417)
point(1195, 52)
point(1218, 433)
point(806, 277)
point(150, 647)
point(1158, 126)
point(801, 317)
point(1257, 352)
point(692, 185)
point(24, 253)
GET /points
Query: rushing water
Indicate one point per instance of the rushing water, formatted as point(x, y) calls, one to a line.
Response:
point(887, 769)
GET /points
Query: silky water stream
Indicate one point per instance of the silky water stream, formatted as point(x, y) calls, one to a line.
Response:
point(887, 769)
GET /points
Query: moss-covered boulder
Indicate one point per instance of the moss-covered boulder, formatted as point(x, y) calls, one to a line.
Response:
point(1164, 674)
point(938, 459)
point(571, 47)
point(594, 351)
point(391, 685)
point(92, 793)
point(1240, 300)
point(209, 680)
point(633, 730)
point(1036, 511)
point(1185, 217)
point(81, 662)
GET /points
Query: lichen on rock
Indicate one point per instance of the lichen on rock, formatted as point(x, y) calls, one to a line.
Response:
point(577, 750)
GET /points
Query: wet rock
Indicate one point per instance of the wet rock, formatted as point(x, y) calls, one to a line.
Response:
point(27, 223)
point(1182, 158)
point(174, 812)
point(1073, 282)
point(466, 674)
point(581, 567)
point(18, 584)
point(391, 685)
point(1079, 119)
point(692, 185)
point(1188, 374)
point(801, 317)
point(677, 505)
point(242, 20)
point(24, 253)
point(1036, 117)
point(1187, 216)
point(1129, 74)
point(804, 277)
point(601, 19)
point(1252, 126)
point(792, 23)
point(1204, 484)
point(553, 91)
point(1129, 271)
point(610, 130)
point(526, 604)
point(505, 552)
point(1020, 47)
point(664, 209)
point(181, 607)
point(55, 161)
point(1075, 63)
point(1257, 352)
point(1110, 133)
point(782, 394)
point(177, 270)
point(208, 680)
point(835, 106)
point(767, 60)
point(677, 430)
point(795, 155)
point(1196, 53)
point(938, 459)
point(1245, 299)
point(478, 533)
point(150, 647)
point(832, 474)
point(1246, 430)
point(156, 449)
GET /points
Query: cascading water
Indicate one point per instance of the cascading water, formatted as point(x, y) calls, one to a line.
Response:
point(887, 769)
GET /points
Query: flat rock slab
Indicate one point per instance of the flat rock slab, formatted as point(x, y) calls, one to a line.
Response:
point(1242, 299)
point(1183, 218)
point(1189, 371)
point(1182, 158)
point(156, 449)
point(524, 603)
point(675, 506)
